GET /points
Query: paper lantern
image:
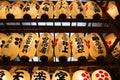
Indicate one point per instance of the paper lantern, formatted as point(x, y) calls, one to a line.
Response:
point(20, 75)
point(96, 47)
point(81, 75)
point(101, 74)
point(45, 47)
point(3, 39)
point(62, 10)
point(46, 9)
point(5, 75)
point(79, 47)
point(62, 46)
point(61, 75)
point(30, 10)
point(40, 75)
point(15, 10)
point(28, 47)
point(92, 10)
point(11, 48)
point(112, 10)
point(110, 39)
point(116, 51)
point(77, 10)
point(3, 9)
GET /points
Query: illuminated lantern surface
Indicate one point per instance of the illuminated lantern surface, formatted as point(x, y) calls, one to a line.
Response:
point(5, 75)
point(11, 48)
point(40, 75)
point(20, 75)
point(81, 75)
point(62, 46)
point(61, 75)
point(112, 9)
point(3, 9)
point(101, 74)
point(62, 10)
point(110, 39)
point(96, 46)
point(3, 39)
point(30, 9)
point(46, 9)
point(77, 10)
point(116, 51)
point(28, 46)
point(45, 46)
point(92, 10)
point(79, 46)
point(15, 10)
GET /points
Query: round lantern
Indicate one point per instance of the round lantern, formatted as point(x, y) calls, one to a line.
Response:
point(11, 47)
point(110, 39)
point(40, 75)
point(5, 75)
point(46, 9)
point(15, 10)
point(3, 39)
point(61, 75)
point(30, 9)
point(79, 47)
point(3, 9)
point(101, 74)
point(93, 11)
point(112, 10)
point(96, 47)
point(81, 75)
point(28, 47)
point(116, 51)
point(62, 10)
point(20, 75)
point(77, 10)
point(62, 47)
point(45, 47)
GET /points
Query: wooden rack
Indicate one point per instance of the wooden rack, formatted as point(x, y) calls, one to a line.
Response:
point(108, 25)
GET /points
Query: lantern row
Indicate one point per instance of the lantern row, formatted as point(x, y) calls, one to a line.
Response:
point(45, 47)
point(60, 10)
point(99, 74)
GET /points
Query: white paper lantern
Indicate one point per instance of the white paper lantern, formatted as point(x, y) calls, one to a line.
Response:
point(61, 75)
point(112, 10)
point(11, 48)
point(79, 47)
point(110, 39)
point(62, 46)
point(77, 10)
point(81, 75)
point(5, 75)
point(3, 9)
point(30, 10)
point(116, 51)
point(45, 47)
point(15, 10)
point(46, 9)
point(40, 75)
point(62, 10)
point(96, 46)
point(93, 11)
point(3, 39)
point(101, 74)
point(20, 75)
point(28, 46)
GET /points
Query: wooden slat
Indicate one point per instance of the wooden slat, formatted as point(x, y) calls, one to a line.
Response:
point(53, 20)
point(58, 64)
point(56, 29)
